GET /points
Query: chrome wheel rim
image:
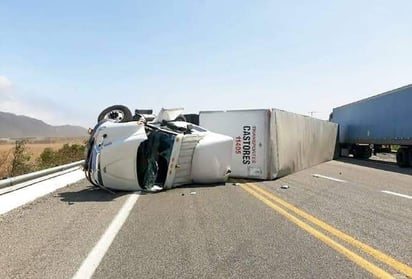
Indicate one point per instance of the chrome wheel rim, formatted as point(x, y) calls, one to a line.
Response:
point(114, 115)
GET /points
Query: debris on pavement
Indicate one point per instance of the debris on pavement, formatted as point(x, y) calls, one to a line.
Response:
point(284, 187)
point(155, 188)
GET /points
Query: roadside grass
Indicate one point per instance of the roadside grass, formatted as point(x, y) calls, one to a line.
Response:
point(25, 156)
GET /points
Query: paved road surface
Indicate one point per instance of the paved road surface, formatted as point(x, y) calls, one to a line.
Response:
point(224, 231)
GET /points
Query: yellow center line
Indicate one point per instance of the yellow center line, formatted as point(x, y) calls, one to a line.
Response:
point(376, 271)
point(384, 258)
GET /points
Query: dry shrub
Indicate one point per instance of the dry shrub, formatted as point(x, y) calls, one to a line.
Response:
point(5, 163)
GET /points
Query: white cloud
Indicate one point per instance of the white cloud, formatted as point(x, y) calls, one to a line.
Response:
point(5, 83)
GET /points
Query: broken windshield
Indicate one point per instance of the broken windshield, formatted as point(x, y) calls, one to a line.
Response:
point(153, 158)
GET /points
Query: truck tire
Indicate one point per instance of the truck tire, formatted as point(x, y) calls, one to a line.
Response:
point(355, 150)
point(410, 156)
point(402, 157)
point(367, 152)
point(116, 113)
point(361, 152)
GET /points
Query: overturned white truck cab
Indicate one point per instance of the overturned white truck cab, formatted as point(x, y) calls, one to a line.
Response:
point(161, 154)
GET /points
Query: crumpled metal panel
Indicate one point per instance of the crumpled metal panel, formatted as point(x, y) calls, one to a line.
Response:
point(184, 162)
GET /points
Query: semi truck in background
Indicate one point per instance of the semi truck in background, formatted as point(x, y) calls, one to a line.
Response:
point(374, 124)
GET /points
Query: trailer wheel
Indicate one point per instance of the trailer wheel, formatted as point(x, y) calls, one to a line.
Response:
point(355, 151)
point(362, 152)
point(402, 157)
point(367, 152)
point(410, 156)
point(117, 113)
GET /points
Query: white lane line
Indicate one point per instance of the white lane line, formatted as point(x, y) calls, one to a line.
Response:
point(397, 194)
point(95, 256)
point(329, 178)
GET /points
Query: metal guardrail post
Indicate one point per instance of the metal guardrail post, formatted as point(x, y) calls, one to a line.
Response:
point(26, 177)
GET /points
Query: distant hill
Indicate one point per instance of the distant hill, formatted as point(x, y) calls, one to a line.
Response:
point(19, 126)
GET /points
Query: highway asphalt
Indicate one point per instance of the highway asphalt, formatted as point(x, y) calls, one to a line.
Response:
point(336, 224)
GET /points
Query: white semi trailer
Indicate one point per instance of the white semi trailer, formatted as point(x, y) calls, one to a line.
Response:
point(271, 143)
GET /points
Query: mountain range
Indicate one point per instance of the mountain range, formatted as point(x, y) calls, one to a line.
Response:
point(19, 126)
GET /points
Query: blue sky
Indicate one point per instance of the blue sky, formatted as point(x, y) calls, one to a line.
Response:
point(65, 61)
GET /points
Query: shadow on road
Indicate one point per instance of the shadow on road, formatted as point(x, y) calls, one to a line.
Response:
point(211, 185)
point(95, 194)
point(92, 194)
point(376, 164)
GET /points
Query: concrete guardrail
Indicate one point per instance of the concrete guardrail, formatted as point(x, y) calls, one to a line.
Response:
point(26, 177)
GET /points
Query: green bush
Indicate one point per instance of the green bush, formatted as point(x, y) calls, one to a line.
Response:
point(67, 154)
point(21, 160)
point(47, 159)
